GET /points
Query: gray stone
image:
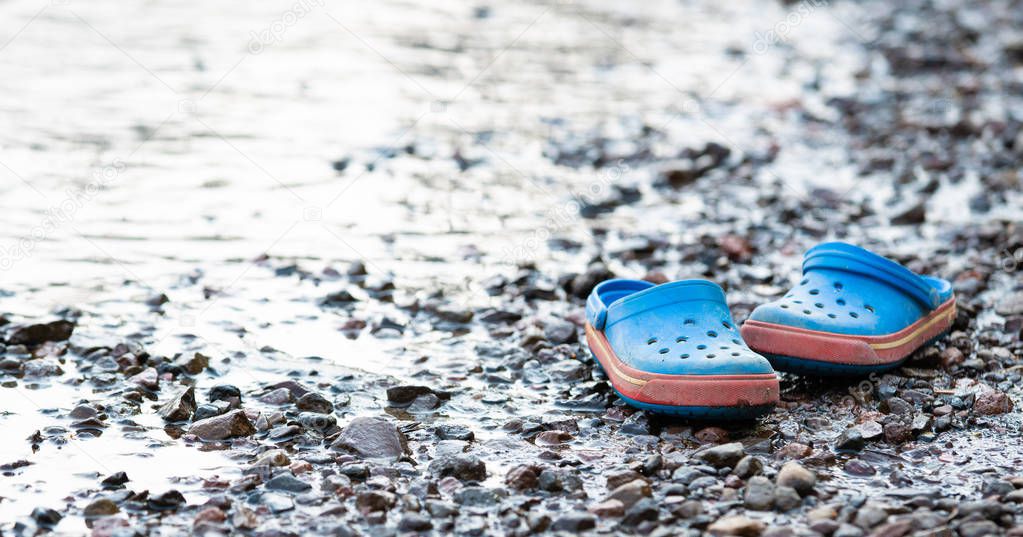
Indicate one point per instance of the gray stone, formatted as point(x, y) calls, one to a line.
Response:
point(372, 438)
point(231, 425)
point(725, 455)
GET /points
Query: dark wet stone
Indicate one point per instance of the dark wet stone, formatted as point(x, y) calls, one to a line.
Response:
point(617, 478)
point(231, 425)
point(559, 331)
point(372, 437)
point(371, 501)
point(725, 455)
point(897, 405)
point(180, 406)
point(858, 467)
point(168, 501)
point(196, 364)
point(850, 440)
point(314, 402)
point(46, 517)
point(82, 412)
point(34, 334)
point(354, 471)
point(574, 522)
point(917, 214)
point(101, 507)
point(477, 496)
point(288, 483)
point(462, 467)
point(523, 477)
point(559, 480)
point(636, 424)
point(226, 392)
point(406, 395)
point(992, 402)
point(582, 284)
point(897, 433)
point(114, 481)
point(452, 431)
point(643, 511)
point(414, 522)
point(209, 410)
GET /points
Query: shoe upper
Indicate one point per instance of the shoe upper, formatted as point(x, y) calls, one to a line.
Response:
point(848, 290)
point(678, 328)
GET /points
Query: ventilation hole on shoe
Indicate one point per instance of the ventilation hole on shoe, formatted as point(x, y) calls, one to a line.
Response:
point(735, 354)
point(819, 305)
point(724, 347)
point(784, 306)
point(681, 339)
point(711, 355)
point(651, 341)
point(712, 333)
point(663, 351)
point(689, 321)
point(869, 308)
point(838, 285)
point(727, 325)
point(806, 312)
point(853, 314)
point(798, 301)
point(684, 356)
point(840, 302)
point(701, 347)
point(804, 282)
point(832, 315)
point(814, 292)
point(736, 341)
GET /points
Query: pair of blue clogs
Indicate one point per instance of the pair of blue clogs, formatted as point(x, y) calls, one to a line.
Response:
point(674, 348)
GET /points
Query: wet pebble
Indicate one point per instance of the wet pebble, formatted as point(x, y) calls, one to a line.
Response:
point(724, 455)
point(372, 437)
point(793, 474)
point(314, 402)
point(231, 425)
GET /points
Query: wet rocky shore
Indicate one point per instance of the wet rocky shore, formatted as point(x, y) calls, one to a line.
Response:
point(430, 376)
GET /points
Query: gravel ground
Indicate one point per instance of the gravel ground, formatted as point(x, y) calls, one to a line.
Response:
point(303, 268)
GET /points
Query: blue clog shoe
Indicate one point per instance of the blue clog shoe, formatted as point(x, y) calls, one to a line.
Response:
point(853, 312)
point(674, 349)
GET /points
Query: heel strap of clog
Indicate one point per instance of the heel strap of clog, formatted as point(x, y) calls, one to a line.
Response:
point(849, 258)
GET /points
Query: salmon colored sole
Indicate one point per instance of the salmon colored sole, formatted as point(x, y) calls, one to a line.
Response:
point(865, 351)
point(736, 391)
